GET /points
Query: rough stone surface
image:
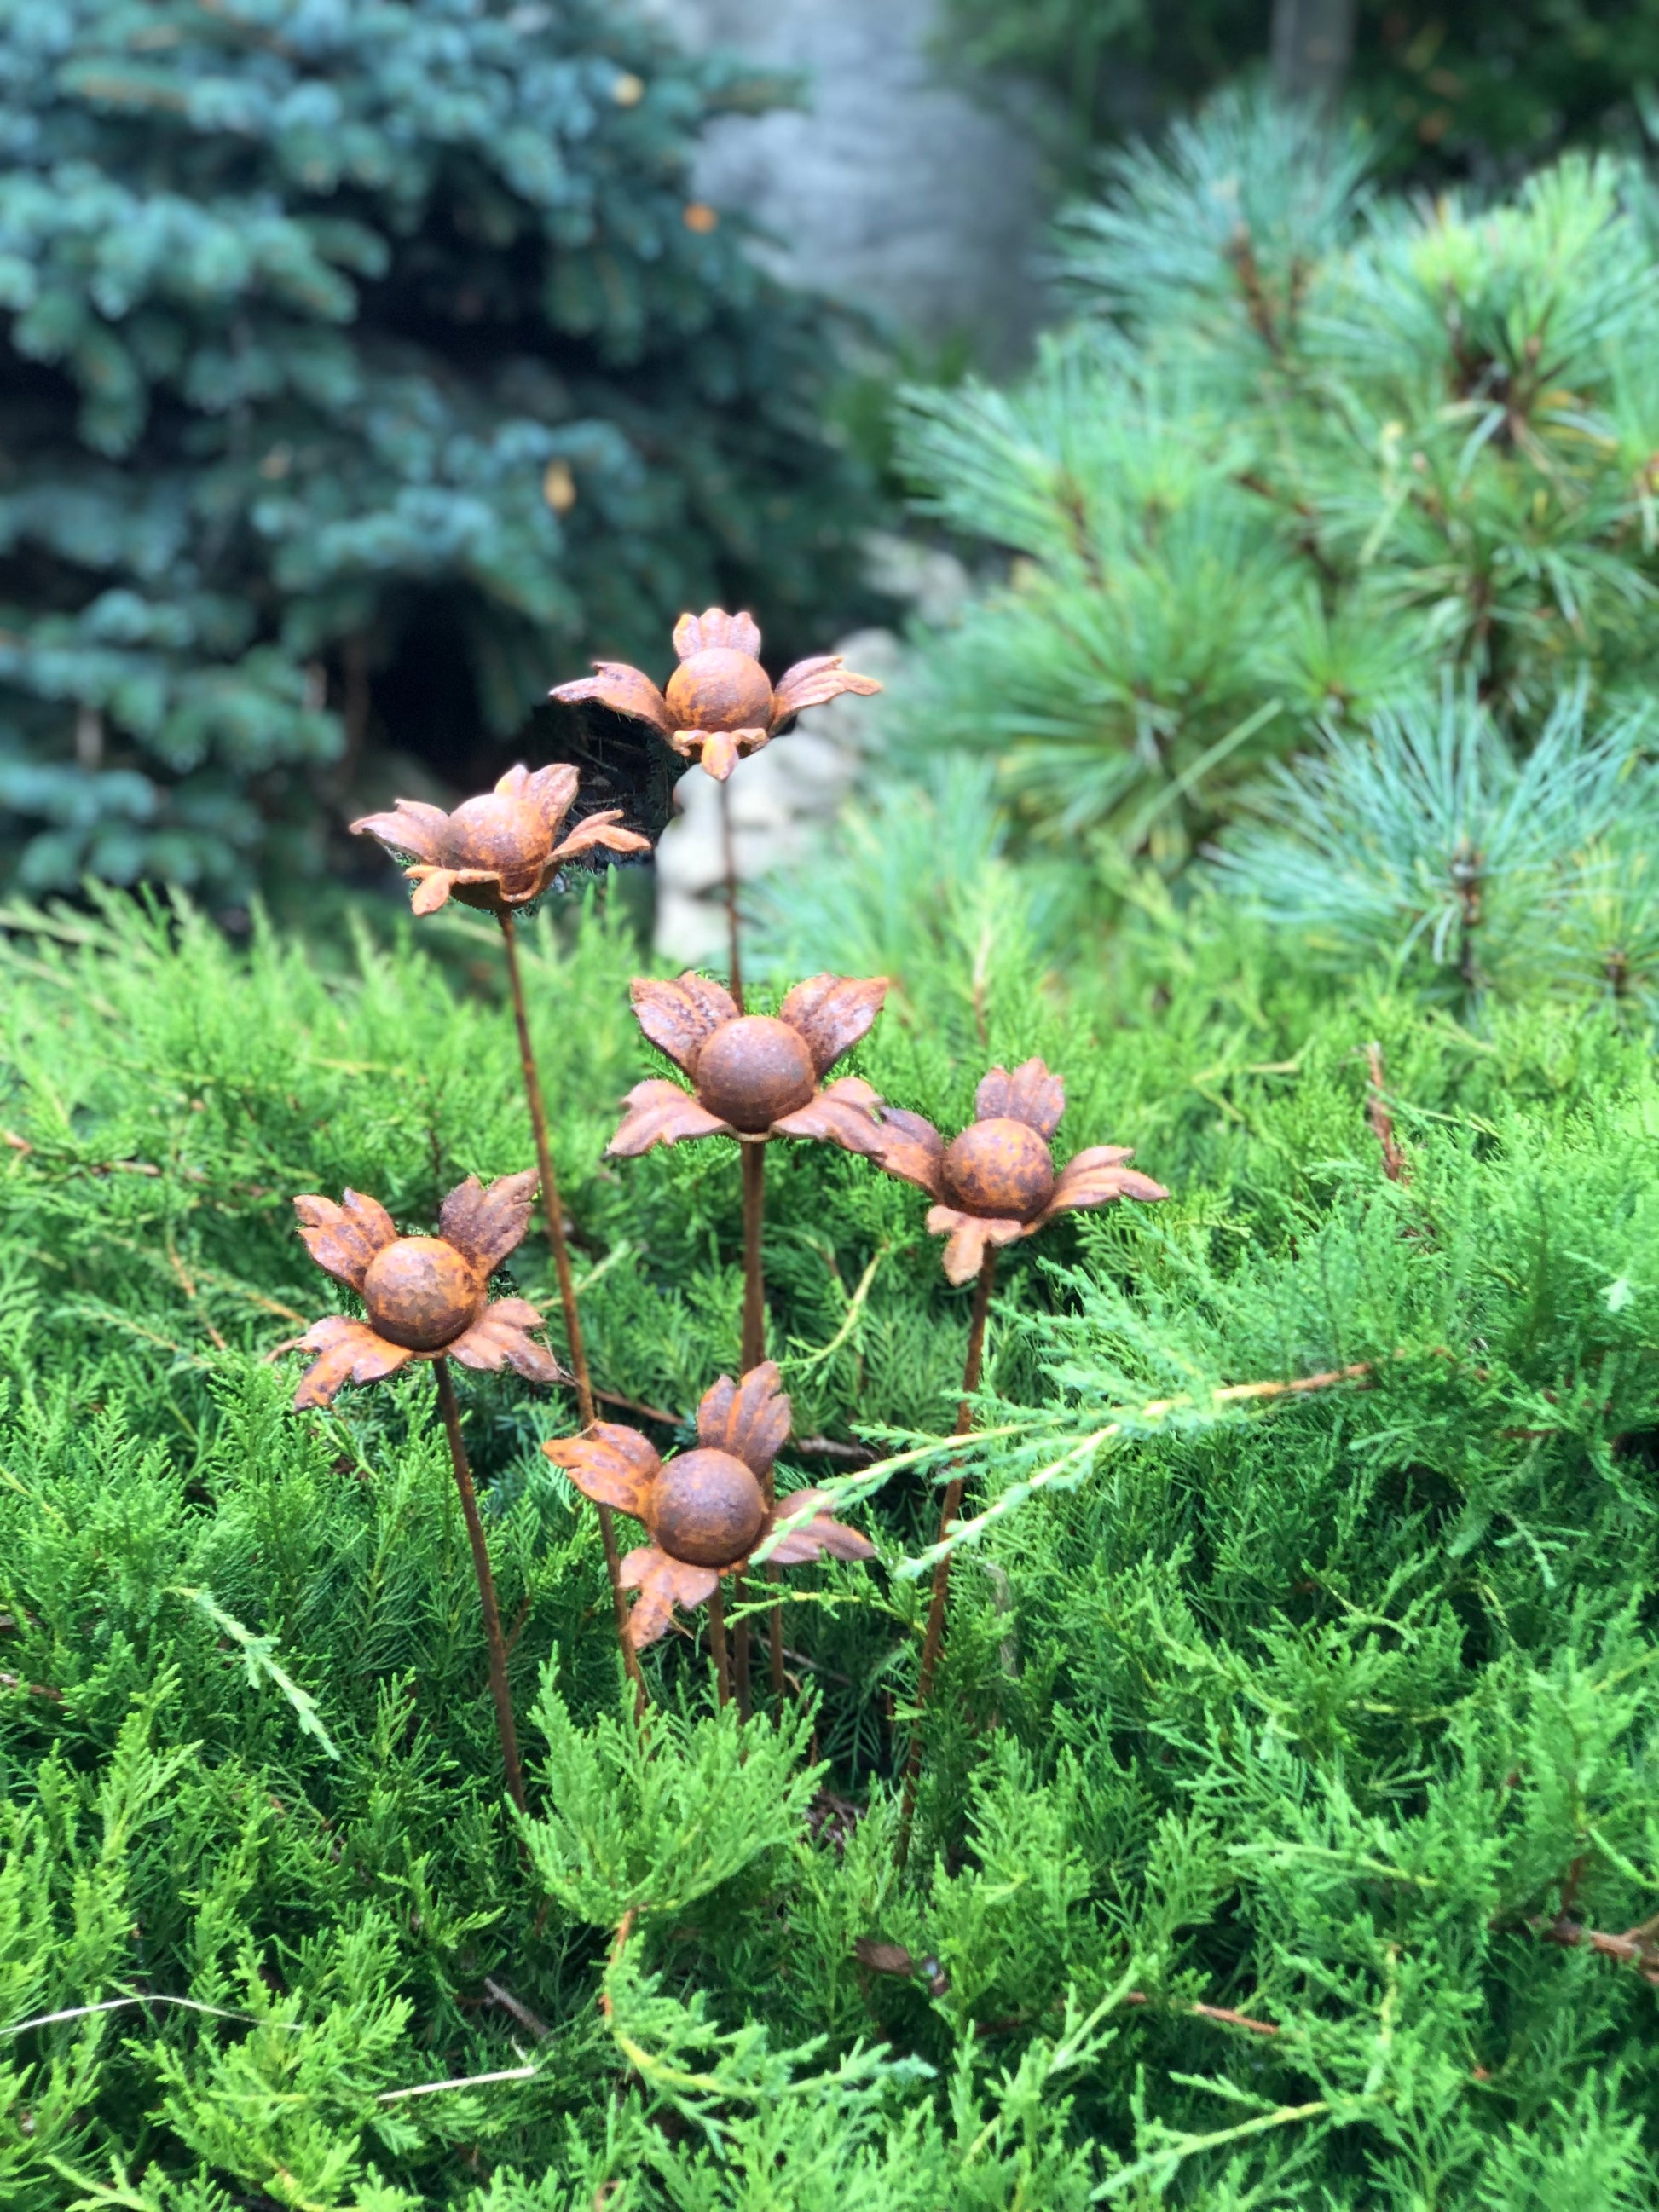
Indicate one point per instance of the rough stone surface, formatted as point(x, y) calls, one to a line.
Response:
point(892, 187)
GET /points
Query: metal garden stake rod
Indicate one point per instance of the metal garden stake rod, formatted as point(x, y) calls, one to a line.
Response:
point(498, 853)
point(994, 1184)
point(934, 1640)
point(495, 1641)
point(719, 705)
point(428, 1298)
point(757, 1078)
point(554, 1214)
point(729, 854)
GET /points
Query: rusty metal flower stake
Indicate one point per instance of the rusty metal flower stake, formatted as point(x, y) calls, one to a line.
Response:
point(427, 1299)
point(754, 1077)
point(994, 1184)
point(720, 704)
point(705, 1510)
point(498, 853)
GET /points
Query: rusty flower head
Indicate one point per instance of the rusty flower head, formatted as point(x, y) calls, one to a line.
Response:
point(996, 1181)
point(705, 1510)
point(426, 1297)
point(502, 849)
point(720, 704)
point(753, 1076)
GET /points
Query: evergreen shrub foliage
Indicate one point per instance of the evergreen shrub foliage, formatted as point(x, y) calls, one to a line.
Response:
point(1428, 843)
point(1478, 89)
point(363, 363)
point(1333, 1711)
point(1309, 450)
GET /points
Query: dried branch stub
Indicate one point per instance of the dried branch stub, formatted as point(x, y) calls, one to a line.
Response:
point(753, 1076)
point(501, 850)
point(721, 702)
point(705, 1510)
point(426, 1298)
point(997, 1181)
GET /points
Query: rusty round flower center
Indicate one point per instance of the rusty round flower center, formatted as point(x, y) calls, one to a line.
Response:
point(496, 832)
point(1000, 1169)
point(420, 1292)
point(720, 690)
point(753, 1071)
point(706, 1508)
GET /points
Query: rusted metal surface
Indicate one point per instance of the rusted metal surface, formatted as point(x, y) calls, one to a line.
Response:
point(425, 1298)
point(705, 1510)
point(502, 849)
point(996, 1182)
point(498, 853)
point(753, 1076)
point(993, 1184)
point(720, 702)
point(553, 1213)
point(494, 1643)
point(932, 1642)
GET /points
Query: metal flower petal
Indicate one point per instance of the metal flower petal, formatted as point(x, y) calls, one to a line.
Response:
point(497, 1340)
point(610, 1463)
point(844, 1112)
point(661, 1113)
point(413, 826)
point(625, 691)
point(662, 1583)
point(597, 829)
point(832, 1012)
point(969, 1234)
point(343, 1239)
point(485, 1223)
point(715, 630)
point(820, 1534)
point(1097, 1176)
point(749, 1419)
point(814, 683)
point(912, 1148)
point(351, 1352)
point(678, 1017)
point(432, 888)
point(717, 752)
point(1031, 1095)
point(551, 791)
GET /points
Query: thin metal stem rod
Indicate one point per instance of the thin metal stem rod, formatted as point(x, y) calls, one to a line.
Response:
point(729, 848)
point(717, 1640)
point(754, 1351)
point(554, 1213)
point(494, 1642)
point(754, 1273)
point(932, 1642)
point(740, 1656)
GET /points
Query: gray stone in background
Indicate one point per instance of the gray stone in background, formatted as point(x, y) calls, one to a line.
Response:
point(892, 188)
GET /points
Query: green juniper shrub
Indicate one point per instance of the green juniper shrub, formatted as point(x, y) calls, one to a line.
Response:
point(1287, 1748)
